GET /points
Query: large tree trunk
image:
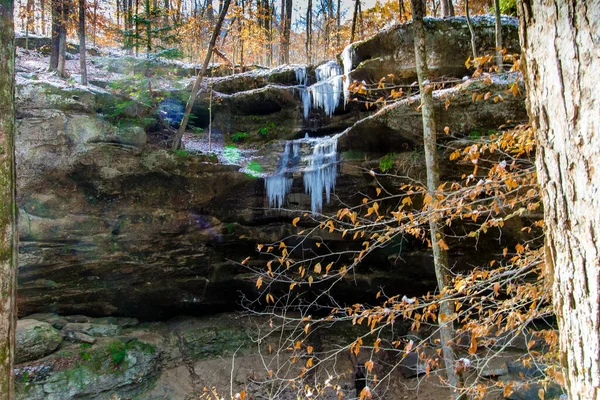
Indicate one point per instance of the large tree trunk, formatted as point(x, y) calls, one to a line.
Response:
point(440, 256)
point(81, 32)
point(55, 6)
point(287, 22)
point(354, 20)
point(62, 39)
point(498, 18)
point(8, 205)
point(196, 87)
point(447, 8)
point(560, 43)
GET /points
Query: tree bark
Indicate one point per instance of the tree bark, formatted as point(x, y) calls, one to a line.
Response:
point(62, 39)
point(559, 41)
point(308, 43)
point(440, 256)
point(8, 204)
point(354, 20)
point(499, 56)
point(81, 32)
point(55, 6)
point(447, 8)
point(287, 22)
point(471, 31)
point(196, 87)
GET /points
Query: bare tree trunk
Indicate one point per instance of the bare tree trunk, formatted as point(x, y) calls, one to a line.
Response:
point(286, 32)
point(447, 8)
point(81, 32)
point(55, 6)
point(401, 9)
point(440, 256)
point(354, 20)
point(43, 17)
point(210, 13)
point(473, 46)
point(499, 57)
point(62, 39)
point(8, 204)
point(196, 87)
point(137, 27)
point(28, 21)
point(338, 24)
point(308, 44)
point(95, 27)
point(559, 41)
point(148, 28)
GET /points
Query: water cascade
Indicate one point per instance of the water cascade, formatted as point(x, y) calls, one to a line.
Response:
point(316, 159)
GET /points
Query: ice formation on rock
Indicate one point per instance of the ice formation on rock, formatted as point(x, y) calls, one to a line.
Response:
point(316, 160)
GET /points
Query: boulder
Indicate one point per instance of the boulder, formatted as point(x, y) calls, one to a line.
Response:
point(34, 340)
point(77, 336)
point(95, 330)
point(399, 125)
point(111, 368)
point(448, 44)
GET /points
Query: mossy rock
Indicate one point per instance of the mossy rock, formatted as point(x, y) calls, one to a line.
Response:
point(35, 339)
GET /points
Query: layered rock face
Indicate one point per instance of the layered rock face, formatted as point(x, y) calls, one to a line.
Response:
point(113, 223)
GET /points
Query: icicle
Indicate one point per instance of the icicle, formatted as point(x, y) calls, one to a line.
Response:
point(306, 103)
point(318, 164)
point(327, 70)
point(347, 64)
point(301, 76)
point(321, 173)
point(280, 184)
point(326, 94)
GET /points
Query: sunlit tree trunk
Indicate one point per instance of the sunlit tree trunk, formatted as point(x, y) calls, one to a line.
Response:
point(447, 8)
point(471, 30)
point(62, 38)
point(55, 8)
point(148, 28)
point(560, 42)
point(499, 57)
point(355, 19)
point(81, 32)
point(287, 22)
point(440, 256)
point(338, 24)
point(308, 43)
point(43, 17)
point(95, 27)
point(8, 205)
point(196, 87)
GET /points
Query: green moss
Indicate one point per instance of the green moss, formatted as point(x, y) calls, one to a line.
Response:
point(386, 162)
point(239, 136)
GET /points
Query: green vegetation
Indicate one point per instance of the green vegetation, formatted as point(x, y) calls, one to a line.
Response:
point(264, 130)
point(508, 7)
point(181, 153)
point(239, 136)
point(387, 162)
point(255, 168)
point(111, 356)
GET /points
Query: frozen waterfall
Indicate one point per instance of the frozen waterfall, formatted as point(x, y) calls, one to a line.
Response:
point(346, 57)
point(316, 160)
point(325, 94)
